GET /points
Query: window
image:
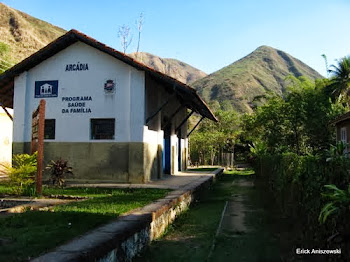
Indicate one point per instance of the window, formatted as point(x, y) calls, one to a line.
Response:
point(343, 135)
point(50, 127)
point(102, 128)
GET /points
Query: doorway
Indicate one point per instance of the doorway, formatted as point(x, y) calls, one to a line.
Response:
point(167, 150)
point(179, 153)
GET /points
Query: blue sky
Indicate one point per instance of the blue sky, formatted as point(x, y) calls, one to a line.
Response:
point(209, 34)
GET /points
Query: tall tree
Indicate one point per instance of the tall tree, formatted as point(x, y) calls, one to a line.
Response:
point(297, 123)
point(340, 80)
point(326, 63)
point(212, 139)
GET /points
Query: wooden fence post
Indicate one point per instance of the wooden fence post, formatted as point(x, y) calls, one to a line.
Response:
point(38, 129)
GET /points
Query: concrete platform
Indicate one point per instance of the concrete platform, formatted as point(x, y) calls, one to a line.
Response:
point(177, 181)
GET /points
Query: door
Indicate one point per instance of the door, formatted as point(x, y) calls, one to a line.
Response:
point(166, 150)
point(179, 153)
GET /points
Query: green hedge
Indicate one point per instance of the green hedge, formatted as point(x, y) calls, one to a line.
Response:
point(297, 183)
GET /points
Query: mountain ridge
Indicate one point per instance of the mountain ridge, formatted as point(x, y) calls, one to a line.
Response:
point(263, 70)
point(170, 66)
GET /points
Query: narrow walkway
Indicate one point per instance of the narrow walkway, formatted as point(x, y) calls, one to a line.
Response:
point(248, 232)
point(233, 222)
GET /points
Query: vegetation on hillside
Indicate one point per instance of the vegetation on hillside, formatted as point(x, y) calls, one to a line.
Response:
point(259, 73)
point(5, 57)
point(21, 35)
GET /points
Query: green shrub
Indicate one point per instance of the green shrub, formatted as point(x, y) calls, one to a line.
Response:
point(297, 184)
point(22, 173)
point(59, 169)
point(338, 201)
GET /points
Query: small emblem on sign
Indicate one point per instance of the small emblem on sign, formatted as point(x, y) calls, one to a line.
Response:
point(46, 89)
point(109, 86)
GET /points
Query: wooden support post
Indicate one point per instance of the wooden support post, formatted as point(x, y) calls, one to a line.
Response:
point(157, 111)
point(7, 112)
point(172, 116)
point(184, 121)
point(195, 126)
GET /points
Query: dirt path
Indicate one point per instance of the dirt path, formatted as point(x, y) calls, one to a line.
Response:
point(245, 233)
point(233, 222)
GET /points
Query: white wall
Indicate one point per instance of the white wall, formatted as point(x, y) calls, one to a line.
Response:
point(5, 137)
point(126, 105)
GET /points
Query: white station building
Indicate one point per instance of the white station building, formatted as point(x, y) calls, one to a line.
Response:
point(111, 117)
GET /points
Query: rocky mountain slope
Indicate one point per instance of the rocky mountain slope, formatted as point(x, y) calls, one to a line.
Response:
point(172, 67)
point(21, 35)
point(262, 71)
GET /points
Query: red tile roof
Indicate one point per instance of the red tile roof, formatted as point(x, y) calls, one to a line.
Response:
point(187, 95)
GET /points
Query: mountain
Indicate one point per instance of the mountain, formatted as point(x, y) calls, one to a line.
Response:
point(258, 73)
point(172, 67)
point(21, 35)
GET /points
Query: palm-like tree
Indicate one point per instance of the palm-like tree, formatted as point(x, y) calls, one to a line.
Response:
point(340, 80)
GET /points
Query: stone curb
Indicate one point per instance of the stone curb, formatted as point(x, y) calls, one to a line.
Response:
point(123, 238)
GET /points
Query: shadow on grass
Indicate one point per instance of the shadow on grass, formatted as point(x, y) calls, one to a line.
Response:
point(27, 235)
point(34, 232)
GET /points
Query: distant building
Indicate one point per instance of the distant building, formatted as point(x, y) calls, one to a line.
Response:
point(110, 116)
point(342, 125)
point(5, 137)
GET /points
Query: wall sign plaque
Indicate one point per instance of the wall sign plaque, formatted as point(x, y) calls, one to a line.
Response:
point(46, 89)
point(109, 86)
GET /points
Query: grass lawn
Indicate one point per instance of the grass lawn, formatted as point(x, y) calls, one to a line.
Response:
point(245, 172)
point(29, 234)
